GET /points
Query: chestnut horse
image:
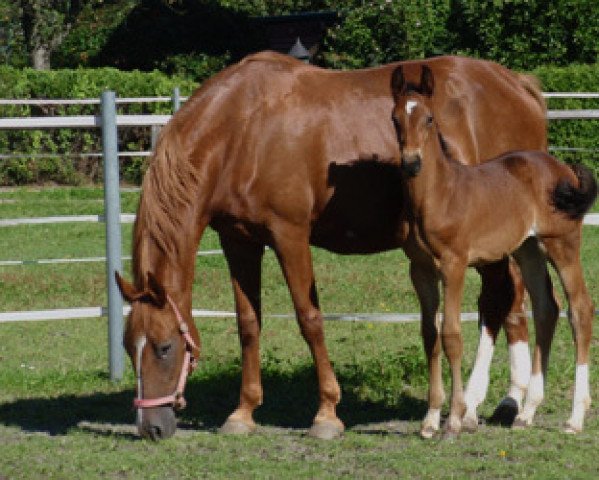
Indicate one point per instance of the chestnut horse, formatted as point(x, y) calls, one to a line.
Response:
point(275, 152)
point(521, 203)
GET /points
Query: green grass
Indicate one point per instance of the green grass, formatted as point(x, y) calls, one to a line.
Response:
point(61, 417)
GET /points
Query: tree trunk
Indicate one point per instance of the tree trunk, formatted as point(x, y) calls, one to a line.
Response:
point(40, 57)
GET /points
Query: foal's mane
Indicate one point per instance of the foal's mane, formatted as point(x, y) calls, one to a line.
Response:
point(167, 192)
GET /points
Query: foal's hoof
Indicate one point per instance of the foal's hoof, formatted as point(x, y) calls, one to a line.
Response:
point(326, 430)
point(428, 432)
point(236, 427)
point(572, 429)
point(520, 424)
point(469, 424)
point(505, 413)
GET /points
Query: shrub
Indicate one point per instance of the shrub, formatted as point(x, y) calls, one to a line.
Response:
point(77, 83)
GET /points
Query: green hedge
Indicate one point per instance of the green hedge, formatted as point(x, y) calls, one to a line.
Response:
point(77, 83)
point(88, 83)
point(573, 133)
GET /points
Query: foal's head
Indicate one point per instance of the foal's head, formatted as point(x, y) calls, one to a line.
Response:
point(413, 118)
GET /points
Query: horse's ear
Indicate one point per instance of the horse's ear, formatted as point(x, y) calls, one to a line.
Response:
point(398, 81)
point(427, 81)
point(128, 291)
point(156, 292)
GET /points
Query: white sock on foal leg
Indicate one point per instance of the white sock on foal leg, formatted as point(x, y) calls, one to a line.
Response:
point(581, 401)
point(476, 391)
point(534, 397)
point(520, 368)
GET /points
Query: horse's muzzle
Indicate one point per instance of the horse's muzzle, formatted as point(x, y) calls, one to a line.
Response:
point(411, 165)
point(157, 423)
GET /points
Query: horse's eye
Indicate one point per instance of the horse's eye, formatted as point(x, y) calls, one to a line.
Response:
point(429, 120)
point(163, 349)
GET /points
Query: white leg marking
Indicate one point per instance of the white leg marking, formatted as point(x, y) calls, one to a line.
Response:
point(520, 368)
point(476, 391)
point(582, 399)
point(534, 397)
point(431, 422)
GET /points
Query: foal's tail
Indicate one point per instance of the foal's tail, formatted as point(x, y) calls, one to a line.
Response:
point(576, 201)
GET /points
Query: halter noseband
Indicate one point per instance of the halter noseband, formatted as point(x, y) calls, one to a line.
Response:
point(189, 363)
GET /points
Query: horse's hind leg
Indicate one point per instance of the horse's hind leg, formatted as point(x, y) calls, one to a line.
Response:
point(244, 260)
point(565, 256)
point(500, 304)
point(545, 309)
point(293, 250)
point(425, 279)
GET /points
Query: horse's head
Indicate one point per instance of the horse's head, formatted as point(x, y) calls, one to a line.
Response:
point(413, 117)
point(163, 348)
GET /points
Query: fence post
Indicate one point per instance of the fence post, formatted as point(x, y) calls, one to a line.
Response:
point(112, 214)
point(176, 99)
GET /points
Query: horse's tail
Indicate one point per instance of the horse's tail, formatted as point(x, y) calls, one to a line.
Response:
point(576, 201)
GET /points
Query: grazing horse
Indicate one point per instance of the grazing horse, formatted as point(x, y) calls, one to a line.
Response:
point(523, 203)
point(274, 152)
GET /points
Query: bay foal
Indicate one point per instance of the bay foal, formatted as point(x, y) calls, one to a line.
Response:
point(527, 204)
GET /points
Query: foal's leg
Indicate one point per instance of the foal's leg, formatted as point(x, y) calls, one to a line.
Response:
point(453, 272)
point(425, 279)
point(244, 261)
point(565, 255)
point(545, 309)
point(500, 304)
point(293, 250)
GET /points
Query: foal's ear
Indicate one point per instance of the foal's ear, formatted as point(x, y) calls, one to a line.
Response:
point(128, 291)
point(427, 81)
point(398, 81)
point(156, 291)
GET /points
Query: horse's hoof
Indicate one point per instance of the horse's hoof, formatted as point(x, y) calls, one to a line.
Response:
point(520, 424)
point(236, 427)
point(428, 432)
point(326, 430)
point(571, 429)
point(505, 414)
point(470, 424)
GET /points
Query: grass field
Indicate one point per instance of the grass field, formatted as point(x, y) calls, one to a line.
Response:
point(61, 417)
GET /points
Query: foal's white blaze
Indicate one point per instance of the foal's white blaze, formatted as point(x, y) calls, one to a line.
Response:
point(520, 368)
point(410, 105)
point(139, 348)
point(476, 391)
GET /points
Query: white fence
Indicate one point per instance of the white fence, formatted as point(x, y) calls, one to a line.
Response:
point(100, 121)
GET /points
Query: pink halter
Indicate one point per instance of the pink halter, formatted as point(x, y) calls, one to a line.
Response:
point(189, 363)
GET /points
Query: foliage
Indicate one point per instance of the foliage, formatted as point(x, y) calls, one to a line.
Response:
point(78, 83)
point(380, 31)
point(579, 135)
point(525, 33)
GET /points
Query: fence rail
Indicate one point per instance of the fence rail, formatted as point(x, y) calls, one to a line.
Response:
point(108, 121)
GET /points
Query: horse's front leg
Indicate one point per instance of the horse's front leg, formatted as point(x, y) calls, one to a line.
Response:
point(453, 271)
point(293, 250)
point(425, 279)
point(244, 260)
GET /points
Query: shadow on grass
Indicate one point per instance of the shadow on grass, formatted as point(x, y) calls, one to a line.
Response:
point(290, 401)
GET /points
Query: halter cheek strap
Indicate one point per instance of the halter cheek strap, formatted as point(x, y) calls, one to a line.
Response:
point(189, 364)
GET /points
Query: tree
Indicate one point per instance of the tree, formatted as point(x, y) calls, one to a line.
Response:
point(46, 23)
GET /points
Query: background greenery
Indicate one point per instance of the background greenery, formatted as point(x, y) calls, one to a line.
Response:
point(182, 42)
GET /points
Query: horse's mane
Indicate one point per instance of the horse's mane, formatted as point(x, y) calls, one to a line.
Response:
point(532, 85)
point(167, 192)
